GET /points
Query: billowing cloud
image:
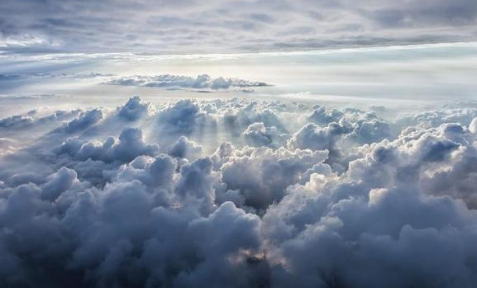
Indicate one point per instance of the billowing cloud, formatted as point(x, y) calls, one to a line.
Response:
point(340, 198)
point(259, 135)
point(134, 109)
point(83, 121)
point(129, 145)
point(184, 148)
point(16, 121)
point(182, 118)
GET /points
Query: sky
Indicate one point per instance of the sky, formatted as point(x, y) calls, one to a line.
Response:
point(241, 144)
point(399, 77)
point(193, 26)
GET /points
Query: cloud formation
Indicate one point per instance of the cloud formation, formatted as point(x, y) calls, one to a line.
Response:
point(190, 26)
point(340, 198)
point(167, 81)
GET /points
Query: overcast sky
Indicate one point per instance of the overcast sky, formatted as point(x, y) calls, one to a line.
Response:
point(192, 26)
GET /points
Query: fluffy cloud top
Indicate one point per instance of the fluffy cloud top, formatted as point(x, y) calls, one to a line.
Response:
point(134, 109)
point(339, 198)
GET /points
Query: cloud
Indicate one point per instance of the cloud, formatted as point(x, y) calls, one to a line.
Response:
point(129, 145)
point(419, 13)
point(184, 148)
point(261, 175)
point(134, 109)
point(312, 137)
point(16, 121)
point(259, 135)
point(34, 119)
point(7, 146)
point(83, 121)
point(182, 118)
point(188, 26)
point(346, 200)
point(9, 77)
point(167, 81)
point(152, 172)
point(238, 121)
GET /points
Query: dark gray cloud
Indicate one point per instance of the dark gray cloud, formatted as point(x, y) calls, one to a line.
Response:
point(190, 26)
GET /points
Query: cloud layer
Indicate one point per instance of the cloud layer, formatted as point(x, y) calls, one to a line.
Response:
point(191, 26)
point(238, 193)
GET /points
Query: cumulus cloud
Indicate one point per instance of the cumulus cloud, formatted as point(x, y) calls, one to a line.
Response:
point(167, 81)
point(238, 121)
point(32, 119)
point(339, 199)
point(128, 146)
point(83, 121)
point(259, 135)
point(313, 137)
point(16, 121)
point(182, 118)
point(134, 109)
point(184, 148)
point(262, 175)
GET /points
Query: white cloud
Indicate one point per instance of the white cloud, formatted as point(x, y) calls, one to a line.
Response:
point(168, 81)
